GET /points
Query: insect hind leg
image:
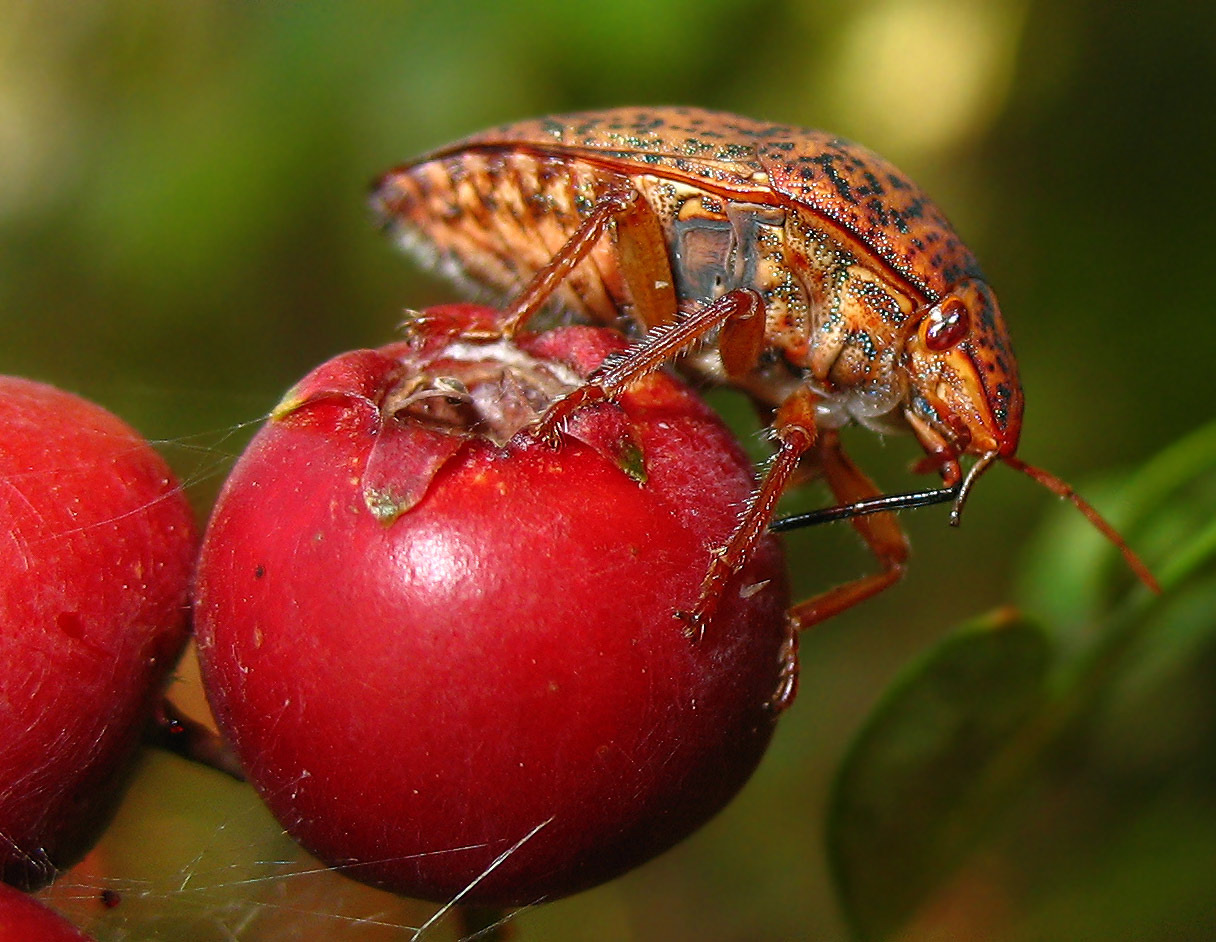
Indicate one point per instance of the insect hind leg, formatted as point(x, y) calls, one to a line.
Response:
point(881, 533)
point(610, 205)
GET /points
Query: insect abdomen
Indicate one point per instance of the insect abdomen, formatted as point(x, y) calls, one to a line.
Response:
point(495, 218)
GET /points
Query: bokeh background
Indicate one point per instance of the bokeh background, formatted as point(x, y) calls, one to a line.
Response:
point(183, 233)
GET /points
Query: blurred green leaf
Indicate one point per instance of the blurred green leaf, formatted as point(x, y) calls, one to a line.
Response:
point(1102, 704)
point(1137, 638)
point(1071, 572)
point(925, 766)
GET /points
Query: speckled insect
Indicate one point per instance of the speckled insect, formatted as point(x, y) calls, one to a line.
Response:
point(831, 286)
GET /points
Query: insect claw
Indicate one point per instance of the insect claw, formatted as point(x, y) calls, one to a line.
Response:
point(787, 678)
point(692, 624)
point(547, 433)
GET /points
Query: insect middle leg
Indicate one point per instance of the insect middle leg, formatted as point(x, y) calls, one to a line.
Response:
point(801, 446)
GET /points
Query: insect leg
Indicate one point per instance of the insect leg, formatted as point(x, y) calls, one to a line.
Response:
point(881, 533)
point(534, 297)
point(795, 431)
point(659, 346)
point(645, 266)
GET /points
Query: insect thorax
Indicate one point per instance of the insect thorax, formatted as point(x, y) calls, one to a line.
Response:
point(831, 319)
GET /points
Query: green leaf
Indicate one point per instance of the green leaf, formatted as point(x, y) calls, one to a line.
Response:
point(955, 743)
point(1072, 574)
point(921, 779)
point(1106, 638)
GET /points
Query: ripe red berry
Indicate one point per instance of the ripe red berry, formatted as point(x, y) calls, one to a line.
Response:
point(24, 919)
point(94, 572)
point(448, 657)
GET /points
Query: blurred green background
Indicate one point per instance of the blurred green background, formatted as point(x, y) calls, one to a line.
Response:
point(183, 233)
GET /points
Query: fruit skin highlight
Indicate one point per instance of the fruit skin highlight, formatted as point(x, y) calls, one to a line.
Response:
point(451, 665)
point(95, 566)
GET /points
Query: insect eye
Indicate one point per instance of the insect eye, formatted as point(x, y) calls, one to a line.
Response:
point(948, 325)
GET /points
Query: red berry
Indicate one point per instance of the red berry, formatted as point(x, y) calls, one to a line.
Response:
point(451, 664)
point(24, 919)
point(94, 572)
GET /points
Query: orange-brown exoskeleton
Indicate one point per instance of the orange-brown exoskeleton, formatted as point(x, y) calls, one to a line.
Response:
point(828, 285)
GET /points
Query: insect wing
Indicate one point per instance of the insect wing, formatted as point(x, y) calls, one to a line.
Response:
point(710, 148)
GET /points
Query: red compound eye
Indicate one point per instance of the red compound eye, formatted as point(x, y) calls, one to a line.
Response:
point(948, 325)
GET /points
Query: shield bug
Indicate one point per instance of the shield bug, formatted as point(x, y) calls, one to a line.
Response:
point(798, 267)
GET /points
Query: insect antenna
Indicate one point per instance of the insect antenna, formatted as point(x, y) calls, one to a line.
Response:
point(1062, 489)
point(958, 494)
